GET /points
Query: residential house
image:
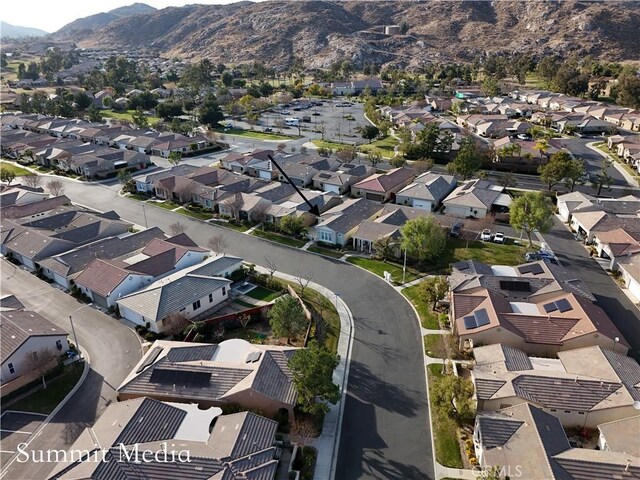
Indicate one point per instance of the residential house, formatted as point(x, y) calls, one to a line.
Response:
point(537, 307)
point(526, 441)
point(381, 187)
point(356, 87)
point(105, 281)
point(65, 267)
point(515, 155)
point(589, 221)
point(620, 436)
point(145, 183)
point(17, 195)
point(583, 387)
point(26, 336)
point(476, 199)
point(255, 376)
point(629, 266)
point(427, 191)
point(613, 244)
point(239, 445)
point(631, 122)
point(569, 202)
point(385, 224)
point(341, 180)
point(337, 225)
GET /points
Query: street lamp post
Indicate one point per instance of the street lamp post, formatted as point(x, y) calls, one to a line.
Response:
point(73, 329)
point(144, 212)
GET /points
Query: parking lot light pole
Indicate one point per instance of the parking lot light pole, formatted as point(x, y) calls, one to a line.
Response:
point(73, 329)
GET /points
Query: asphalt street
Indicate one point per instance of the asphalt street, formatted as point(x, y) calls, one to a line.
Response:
point(620, 309)
point(113, 348)
point(385, 430)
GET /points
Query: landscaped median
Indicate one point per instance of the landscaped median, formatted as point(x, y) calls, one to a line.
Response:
point(428, 318)
point(379, 267)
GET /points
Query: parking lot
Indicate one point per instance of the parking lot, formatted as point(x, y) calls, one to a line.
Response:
point(17, 428)
point(334, 118)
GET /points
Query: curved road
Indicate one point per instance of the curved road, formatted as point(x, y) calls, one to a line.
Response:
point(113, 349)
point(385, 431)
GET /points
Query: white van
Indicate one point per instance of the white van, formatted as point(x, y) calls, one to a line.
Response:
point(292, 121)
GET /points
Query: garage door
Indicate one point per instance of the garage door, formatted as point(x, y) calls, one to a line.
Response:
point(376, 197)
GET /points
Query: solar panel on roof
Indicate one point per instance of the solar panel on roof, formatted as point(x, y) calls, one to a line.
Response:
point(563, 305)
point(550, 307)
point(536, 269)
point(178, 377)
point(482, 318)
point(525, 268)
point(150, 359)
point(253, 357)
point(470, 322)
point(513, 286)
point(467, 186)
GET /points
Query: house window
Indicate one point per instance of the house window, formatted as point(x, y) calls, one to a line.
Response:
point(196, 305)
point(183, 309)
point(211, 298)
point(11, 369)
point(553, 410)
point(567, 411)
point(224, 291)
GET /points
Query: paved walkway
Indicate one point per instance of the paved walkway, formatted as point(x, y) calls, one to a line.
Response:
point(250, 231)
point(457, 473)
point(307, 245)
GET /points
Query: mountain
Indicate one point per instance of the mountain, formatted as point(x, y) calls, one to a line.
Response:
point(15, 31)
point(323, 33)
point(86, 26)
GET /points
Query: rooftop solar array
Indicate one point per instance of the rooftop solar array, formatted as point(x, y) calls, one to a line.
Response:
point(167, 376)
point(479, 318)
point(561, 306)
point(253, 357)
point(534, 269)
point(514, 286)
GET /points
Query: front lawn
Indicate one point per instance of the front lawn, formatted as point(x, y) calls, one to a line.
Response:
point(167, 204)
point(138, 196)
point(331, 145)
point(458, 249)
point(325, 251)
point(428, 318)
point(384, 147)
point(378, 267)
point(17, 171)
point(264, 294)
point(198, 215)
point(276, 237)
point(258, 135)
point(238, 227)
point(45, 400)
point(444, 428)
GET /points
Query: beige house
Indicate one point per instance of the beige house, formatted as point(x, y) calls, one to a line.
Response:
point(382, 186)
point(234, 372)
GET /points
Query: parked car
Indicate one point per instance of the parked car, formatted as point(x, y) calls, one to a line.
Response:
point(315, 114)
point(524, 136)
point(541, 255)
point(485, 236)
point(456, 230)
point(285, 112)
point(306, 118)
point(498, 237)
point(268, 129)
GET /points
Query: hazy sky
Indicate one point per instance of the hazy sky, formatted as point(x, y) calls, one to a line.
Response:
point(50, 15)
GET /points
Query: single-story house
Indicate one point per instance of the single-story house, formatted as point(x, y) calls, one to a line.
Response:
point(381, 187)
point(336, 225)
point(341, 180)
point(630, 268)
point(476, 199)
point(426, 191)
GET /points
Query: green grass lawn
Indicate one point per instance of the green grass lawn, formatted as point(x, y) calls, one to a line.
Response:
point(383, 147)
point(444, 429)
point(332, 145)
point(44, 401)
point(167, 204)
point(255, 134)
point(491, 253)
point(264, 294)
point(238, 227)
point(18, 171)
point(199, 215)
point(126, 115)
point(139, 197)
point(325, 251)
point(378, 267)
point(276, 237)
point(428, 318)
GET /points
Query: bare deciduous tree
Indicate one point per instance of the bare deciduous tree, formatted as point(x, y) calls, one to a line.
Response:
point(174, 323)
point(40, 362)
point(218, 332)
point(55, 187)
point(176, 228)
point(271, 265)
point(303, 279)
point(234, 205)
point(303, 432)
point(259, 212)
point(218, 244)
point(32, 180)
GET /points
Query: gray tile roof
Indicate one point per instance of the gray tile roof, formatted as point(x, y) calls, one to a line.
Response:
point(587, 469)
point(243, 432)
point(274, 379)
point(497, 431)
point(352, 215)
point(17, 326)
point(514, 359)
point(11, 302)
point(485, 388)
point(140, 430)
point(627, 370)
point(563, 393)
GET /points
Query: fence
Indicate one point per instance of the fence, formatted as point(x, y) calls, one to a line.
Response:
point(260, 310)
point(307, 312)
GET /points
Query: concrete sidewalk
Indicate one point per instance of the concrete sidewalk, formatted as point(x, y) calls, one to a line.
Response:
point(329, 441)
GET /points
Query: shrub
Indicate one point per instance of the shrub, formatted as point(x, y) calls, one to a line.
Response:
point(150, 336)
point(238, 275)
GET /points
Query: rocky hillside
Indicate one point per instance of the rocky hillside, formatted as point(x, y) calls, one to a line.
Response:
point(325, 32)
point(15, 31)
point(87, 26)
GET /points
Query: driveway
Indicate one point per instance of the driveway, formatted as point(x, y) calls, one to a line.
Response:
point(620, 309)
point(17, 428)
point(385, 431)
point(113, 350)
